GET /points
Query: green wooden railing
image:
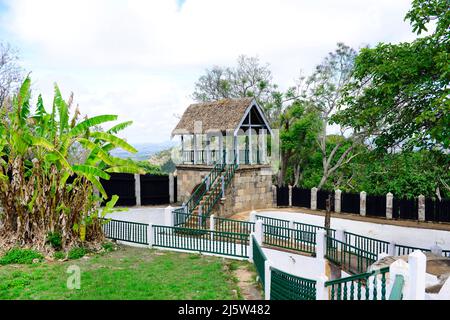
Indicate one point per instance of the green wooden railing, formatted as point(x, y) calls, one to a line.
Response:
point(446, 253)
point(216, 192)
point(401, 250)
point(372, 245)
point(313, 228)
point(192, 221)
point(271, 226)
point(230, 225)
point(352, 259)
point(224, 243)
point(125, 231)
point(285, 286)
point(292, 239)
point(259, 259)
point(364, 286)
point(397, 288)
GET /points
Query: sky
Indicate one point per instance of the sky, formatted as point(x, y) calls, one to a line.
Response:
point(140, 59)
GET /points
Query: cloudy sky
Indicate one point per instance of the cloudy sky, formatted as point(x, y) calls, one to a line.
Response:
point(140, 58)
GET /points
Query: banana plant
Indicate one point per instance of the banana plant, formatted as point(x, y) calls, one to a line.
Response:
point(41, 190)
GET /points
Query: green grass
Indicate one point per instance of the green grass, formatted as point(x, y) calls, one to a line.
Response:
point(128, 273)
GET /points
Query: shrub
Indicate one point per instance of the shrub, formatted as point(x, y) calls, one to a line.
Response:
point(55, 240)
point(77, 253)
point(20, 256)
point(59, 255)
point(108, 246)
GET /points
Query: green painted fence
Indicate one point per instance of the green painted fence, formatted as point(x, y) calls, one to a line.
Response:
point(352, 259)
point(364, 286)
point(224, 243)
point(189, 220)
point(397, 288)
point(230, 225)
point(401, 250)
point(125, 231)
point(259, 259)
point(367, 244)
point(292, 239)
point(313, 228)
point(285, 286)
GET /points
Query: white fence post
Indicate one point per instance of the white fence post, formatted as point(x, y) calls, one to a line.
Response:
point(417, 271)
point(389, 205)
point(267, 280)
point(340, 235)
point(290, 195)
point(321, 290)
point(314, 198)
point(137, 188)
point(362, 203)
point(421, 205)
point(253, 216)
point(321, 244)
point(150, 236)
point(437, 250)
point(171, 188)
point(168, 216)
point(337, 200)
point(212, 223)
point(391, 249)
point(274, 196)
point(291, 232)
point(259, 231)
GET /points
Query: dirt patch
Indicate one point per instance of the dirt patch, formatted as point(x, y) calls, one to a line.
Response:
point(249, 289)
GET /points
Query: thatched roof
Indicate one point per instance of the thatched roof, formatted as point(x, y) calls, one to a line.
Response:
point(221, 115)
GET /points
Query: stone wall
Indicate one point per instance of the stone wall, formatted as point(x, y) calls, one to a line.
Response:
point(250, 189)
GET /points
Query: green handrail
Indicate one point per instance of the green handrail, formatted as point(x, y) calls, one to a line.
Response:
point(397, 288)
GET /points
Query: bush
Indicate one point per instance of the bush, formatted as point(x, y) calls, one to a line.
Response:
point(76, 253)
point(20, 256)
point(108, 246)
point(55, 240)
point(59, 255)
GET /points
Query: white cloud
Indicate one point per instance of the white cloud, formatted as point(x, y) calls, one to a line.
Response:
point(140, 58)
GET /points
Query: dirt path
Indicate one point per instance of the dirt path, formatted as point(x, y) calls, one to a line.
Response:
point(249, 289)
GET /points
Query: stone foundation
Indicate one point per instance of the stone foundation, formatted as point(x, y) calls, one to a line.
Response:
point(250, 189)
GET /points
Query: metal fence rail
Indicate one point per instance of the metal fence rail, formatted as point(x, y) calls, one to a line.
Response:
point(350, 258)
point(364, 286)
point(230, 225)
point(372, 245)
point(224, 243)
point(292, 239)
point(259, 259)
point(313, 228)
point(125, 231)
point(285, 286)
point(401, 250)
point(191, 221)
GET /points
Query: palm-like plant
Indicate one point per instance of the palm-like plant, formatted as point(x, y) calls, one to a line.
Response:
point(40, 191)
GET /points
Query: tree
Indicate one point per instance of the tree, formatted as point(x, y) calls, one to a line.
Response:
point(10, 72)
point(400, 92)
point(326, 88)
point(41, 192)
point(248, 79)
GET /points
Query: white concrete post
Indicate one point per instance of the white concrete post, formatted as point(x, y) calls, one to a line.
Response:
point(417, 271)
point(391, 249)
point(171, 188)
point(389, 205)
point(421, 205)
point(168, 216)
point(321, 290)
point(250, 248)
point(267, 280)
point(362, 203)
point(194, 142)
point(290, 195)
point(259, 231)
point(321, 244)
point(337, 200)
point(137, 188)
point(212, 223)
point(314, 198)
point(274, 195)
point(252, 217)
point(150, 236)
point(292, 232)
point(340, 235)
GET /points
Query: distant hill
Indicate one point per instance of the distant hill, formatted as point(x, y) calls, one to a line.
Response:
point(145, 150)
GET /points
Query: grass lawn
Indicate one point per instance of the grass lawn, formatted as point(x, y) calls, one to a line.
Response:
point(127, 273)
